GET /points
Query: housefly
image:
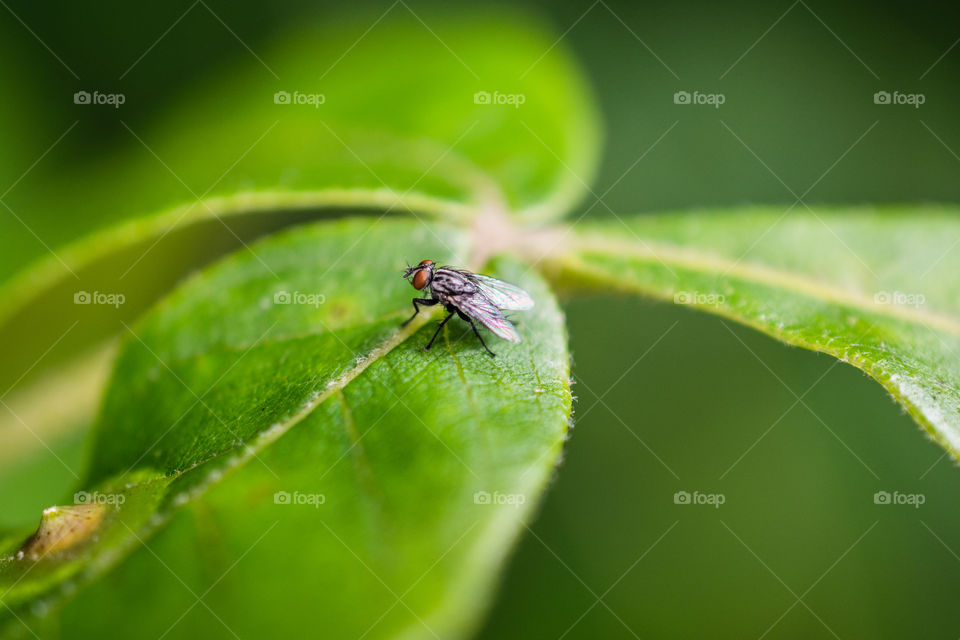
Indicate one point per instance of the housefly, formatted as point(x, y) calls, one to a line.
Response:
point(469, 295)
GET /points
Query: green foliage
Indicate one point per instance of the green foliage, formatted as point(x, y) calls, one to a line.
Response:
point(876, 288)
point(275, 453)
point(225, 400)
point(395, 134)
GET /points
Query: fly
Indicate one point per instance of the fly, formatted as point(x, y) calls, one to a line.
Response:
point(469, 295)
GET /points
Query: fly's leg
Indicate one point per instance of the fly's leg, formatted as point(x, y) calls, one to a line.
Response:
point(437, 332)
point(477, 333)
point(427, 302)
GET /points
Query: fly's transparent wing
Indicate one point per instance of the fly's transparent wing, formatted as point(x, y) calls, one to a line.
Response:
point(502, 294)
point(484, 311)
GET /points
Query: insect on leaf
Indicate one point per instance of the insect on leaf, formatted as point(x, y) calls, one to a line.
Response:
point(308, 450)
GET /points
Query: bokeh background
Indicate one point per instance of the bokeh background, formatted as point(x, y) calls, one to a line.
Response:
point(668, 400)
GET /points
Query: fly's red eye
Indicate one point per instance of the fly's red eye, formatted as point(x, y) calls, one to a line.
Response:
point(420, 279)
point(424, 263)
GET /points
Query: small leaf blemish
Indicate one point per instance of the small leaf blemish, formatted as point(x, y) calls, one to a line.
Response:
point(62, 528)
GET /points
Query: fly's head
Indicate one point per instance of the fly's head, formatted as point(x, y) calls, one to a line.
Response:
point(422, 274)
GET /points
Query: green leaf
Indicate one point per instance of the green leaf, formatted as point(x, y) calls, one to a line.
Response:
point(401, 130)
point(877, 288)
point(222, 397)
point(396, 133)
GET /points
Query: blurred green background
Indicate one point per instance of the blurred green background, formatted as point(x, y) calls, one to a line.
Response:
point(799, 119)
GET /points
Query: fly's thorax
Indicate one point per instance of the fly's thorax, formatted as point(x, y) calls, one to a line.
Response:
point(448, 281)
